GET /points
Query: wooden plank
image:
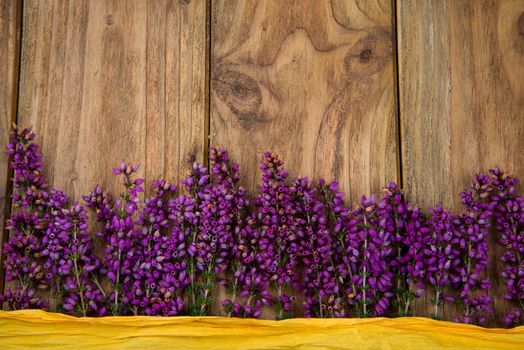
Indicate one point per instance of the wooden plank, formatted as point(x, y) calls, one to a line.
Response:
point(10, 21)
point(311, 80)
point(108, 81)
point(83, 88)
point(177, 111)
point(461, 68)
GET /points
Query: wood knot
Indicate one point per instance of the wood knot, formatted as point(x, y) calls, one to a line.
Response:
point(368, 55)
point(520, 25)
point(365, 55)
point(239, 89)
point(185, 2)
point(74, 176)
point(109, 20)
point(239, 92)
point(191, 158)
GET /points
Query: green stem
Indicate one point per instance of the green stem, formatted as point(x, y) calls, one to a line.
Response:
point(437, 300)
point(192, 275)
point(233, 296)
point(77, 277)
point(117, 282)
point(80, 287)
point(364, 301)
point(97, 283)
point(406, 308)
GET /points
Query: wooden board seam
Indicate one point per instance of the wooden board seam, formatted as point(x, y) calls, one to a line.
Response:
point(13, 118)
point(396, 77)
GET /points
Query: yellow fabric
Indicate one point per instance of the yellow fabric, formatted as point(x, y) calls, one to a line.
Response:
point(35, 328)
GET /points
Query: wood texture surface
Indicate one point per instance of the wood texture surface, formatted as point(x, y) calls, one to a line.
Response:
point(461, 78)
point(10, 22)
point(312, 81)
point(109, 81)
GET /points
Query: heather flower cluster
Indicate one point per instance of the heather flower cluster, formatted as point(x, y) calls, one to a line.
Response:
point(158, 274)
point(472, 230)
point(441, 256)
point(218, 205)
point(24, 262)
point(278, 243)
point(410, 236)
point(499, 194)
point(319, 282)
point(119, 234)
point(294, 249)
point(70, 260)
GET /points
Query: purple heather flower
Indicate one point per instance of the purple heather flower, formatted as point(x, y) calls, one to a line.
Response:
point(219, 203)
point(470, 277)
point(28, 178)
point(159, 272)
point(21, 299)
point(366, 264)
point(278, 244)
point(68, 249)
point(23, 261)
point(442, 255)
point(319, 277)
point(248, 284)
point(409, 235)
point(507, 208)
point(119, 235)
point(235, 254)
point(166, 254)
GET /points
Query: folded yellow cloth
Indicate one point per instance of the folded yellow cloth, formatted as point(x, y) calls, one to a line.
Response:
point(36, 328)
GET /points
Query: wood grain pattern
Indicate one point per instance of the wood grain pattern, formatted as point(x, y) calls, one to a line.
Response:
point(177, 112)
point(109, 81)
point(312, 81)
point(461, 74)
point(10, 22)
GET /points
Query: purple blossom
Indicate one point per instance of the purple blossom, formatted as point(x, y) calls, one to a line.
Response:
point(368, 252)
point(159, 273)
point(508, 211)
point(278, 243)
point(442, 255)
point(23, 259)
point(28, 179)
point(70, 260)
point(119, 235)
point(20, 299)
point(409, 235)
point(470, 277)
point(248, 285)
point(218, 202)
point(166, 255)
point(320, 278)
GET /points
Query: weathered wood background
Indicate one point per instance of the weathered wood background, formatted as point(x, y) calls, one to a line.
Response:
point(425, 93)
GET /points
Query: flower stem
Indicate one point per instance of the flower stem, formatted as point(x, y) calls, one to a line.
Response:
point(77, 277)
point(437, 301)
point(117, 281)
point(80, 288)
point(97, 283)
point(364, 301)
